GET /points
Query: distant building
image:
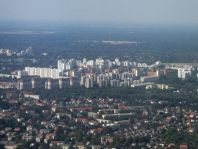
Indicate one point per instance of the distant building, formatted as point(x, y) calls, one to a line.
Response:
point(114, 83)
point(89, 82)
point(24, 83)
point(33, 96)
point(43, 72)
point(183, 73)
point(74, 82)
point(149, 79)
point(106, 139)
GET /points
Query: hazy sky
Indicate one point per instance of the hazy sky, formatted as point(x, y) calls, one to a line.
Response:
point(102, 11)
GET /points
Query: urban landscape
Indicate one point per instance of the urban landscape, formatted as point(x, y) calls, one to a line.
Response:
point(30, 118)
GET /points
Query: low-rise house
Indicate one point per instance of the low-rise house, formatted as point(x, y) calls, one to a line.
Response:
point(106, 139)
point(183, 146)
point(97, 130)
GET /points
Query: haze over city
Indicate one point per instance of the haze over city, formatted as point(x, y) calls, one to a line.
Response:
point(101, 11)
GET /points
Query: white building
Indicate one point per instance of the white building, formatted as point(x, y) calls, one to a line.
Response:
point(149, 79)
point(43, 72)
point(89, 82)
point(183, 73)
point(63, 64)
point(117, 61)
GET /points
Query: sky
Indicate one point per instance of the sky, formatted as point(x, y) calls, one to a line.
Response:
point(101, 11)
